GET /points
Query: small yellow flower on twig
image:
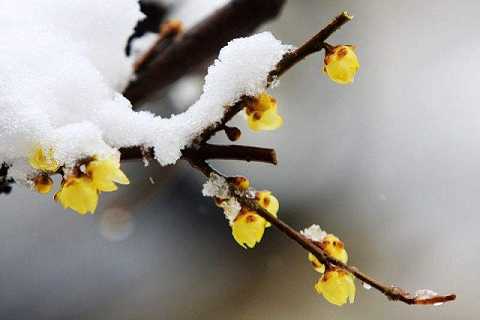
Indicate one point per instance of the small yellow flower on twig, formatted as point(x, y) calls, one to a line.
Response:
point(336, 286)
point(78, 194)
point(333, 247)
point(262, 113)
point(341, 63)
point(43, 161)
point(42, 183)
point(105, 173)
point(80, 191)
point(248, 227)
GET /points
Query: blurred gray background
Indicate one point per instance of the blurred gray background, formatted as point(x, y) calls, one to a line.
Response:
point(391, 164)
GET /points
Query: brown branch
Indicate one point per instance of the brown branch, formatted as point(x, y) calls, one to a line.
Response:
point(315, 44)
point(391, 292)
point(169, 31)
point(236, 19)
point(233, 152)
point(209, 152)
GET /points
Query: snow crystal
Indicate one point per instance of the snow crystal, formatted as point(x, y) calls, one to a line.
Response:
point(231, 209)
point(366, 286)
point(314, 232)
point(62, 71)
point(216, 186)
point(425, 294)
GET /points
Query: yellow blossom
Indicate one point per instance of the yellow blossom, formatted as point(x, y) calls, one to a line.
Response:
point(333, 247)
point(79, 194)
point(43, 184)
point(105, 173)
point(267, 201)
point(43, 161)
point(248, 228)
point(341, 63)
point(337, 286)
point(262, 113)
point(241, 182)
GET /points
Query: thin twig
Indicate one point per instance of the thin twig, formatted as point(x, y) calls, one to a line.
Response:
point(233, 152)
point(391, 292)
point(315, 44)
point(209, 152)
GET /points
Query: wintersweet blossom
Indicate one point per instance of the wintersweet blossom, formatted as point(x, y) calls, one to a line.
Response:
point(42, 183)
point(80, 190)
point(43, 161)
point(248, 227)
point(105, 173)
point(268, 202)
point(341, 63)
point(261, 113)
point(336, 286)
point(78, 194)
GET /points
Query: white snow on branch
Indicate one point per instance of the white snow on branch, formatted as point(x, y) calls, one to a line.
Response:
point(62, 71)
point(314, 233)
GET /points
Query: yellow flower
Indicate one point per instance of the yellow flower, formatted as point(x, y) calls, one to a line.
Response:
point(337, 286)
point(262, 113)
point(248, 228)
point(241, 182)
point(43, 161)
point(267, 201)
point(105, 173)
point(43, 183)
point(79, 194)
point(333, 247)
point(341, 63)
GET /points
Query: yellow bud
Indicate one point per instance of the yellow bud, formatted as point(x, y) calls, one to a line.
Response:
point(43, 161)
point(262, 113)
point(241, 182)
point(43, 184)
point(248, 228)
point(267, 201)
point(341, 64)
point(79, 194)
point(334, 247)
point(105, 173)
point(336, 286)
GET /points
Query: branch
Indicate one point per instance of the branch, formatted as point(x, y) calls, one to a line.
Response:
point(209, 152)
point(313, 45)
point(236, 19)
point(391, 292)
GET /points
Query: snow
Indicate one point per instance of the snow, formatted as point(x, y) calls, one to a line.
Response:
point(217, 186)
point(62, 71)
point(314, 232)
point(423, 294)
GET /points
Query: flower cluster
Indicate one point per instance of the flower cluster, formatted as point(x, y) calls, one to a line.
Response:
point(336, 285)
point(81, 186)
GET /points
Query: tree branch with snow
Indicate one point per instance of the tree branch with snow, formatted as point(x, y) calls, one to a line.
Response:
point(69, 115)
